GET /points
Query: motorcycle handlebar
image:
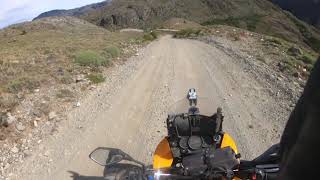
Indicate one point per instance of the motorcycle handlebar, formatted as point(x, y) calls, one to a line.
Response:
point(258, 172)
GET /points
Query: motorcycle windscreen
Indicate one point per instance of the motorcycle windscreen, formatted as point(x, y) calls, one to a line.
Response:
point(163, 156)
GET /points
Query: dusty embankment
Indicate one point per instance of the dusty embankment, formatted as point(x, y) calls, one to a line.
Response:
point(128, 111)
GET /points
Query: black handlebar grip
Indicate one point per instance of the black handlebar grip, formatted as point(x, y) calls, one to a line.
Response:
point(272, 176)
point(261, 175)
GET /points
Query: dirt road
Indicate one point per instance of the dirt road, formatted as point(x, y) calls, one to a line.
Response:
point(129, 110)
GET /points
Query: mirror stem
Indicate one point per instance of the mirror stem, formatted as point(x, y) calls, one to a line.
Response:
point(140, 163)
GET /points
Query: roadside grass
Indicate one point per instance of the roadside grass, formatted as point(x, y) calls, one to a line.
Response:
point(295, 64)
point(8, 100)
point(96, 78)
point(66, 78)
point(261, 24)
point(291, 58)
point(228, 21)
point(187, 33)
point(273, 41)
point(22, 83)
point(92, 59)
point(295, 58)
point(112, 51)
point(248, 22)
point(308, 58)
point(150, 36)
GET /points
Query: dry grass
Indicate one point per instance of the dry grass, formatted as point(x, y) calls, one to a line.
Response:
point(271, 50)
point(65, 93)
point(42, 51)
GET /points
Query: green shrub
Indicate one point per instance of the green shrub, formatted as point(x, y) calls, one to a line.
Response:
point(185, 33)
point(90, 58)
point(308, 59)
point(289, 64)
point(154, 34)
point(23, 83)
point(309, 67)
point(113, 51)
point(273, 41)
point(289, 67)
point(96, 78)
point(314, 43)
point(150, 36)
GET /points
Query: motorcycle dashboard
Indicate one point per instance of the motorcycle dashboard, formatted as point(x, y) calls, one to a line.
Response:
point(194, 125)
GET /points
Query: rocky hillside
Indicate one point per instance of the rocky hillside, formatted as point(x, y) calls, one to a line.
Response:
point(260, 16)
point(74, 12)
point(307, 10)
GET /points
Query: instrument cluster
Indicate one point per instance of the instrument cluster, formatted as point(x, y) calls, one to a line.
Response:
point(190, 133)
point(194, 142)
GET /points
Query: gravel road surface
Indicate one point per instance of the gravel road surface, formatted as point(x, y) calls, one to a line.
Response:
point(128, 111)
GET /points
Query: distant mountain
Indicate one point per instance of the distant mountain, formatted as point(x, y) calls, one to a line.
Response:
point(74, 12)
point(307, 10)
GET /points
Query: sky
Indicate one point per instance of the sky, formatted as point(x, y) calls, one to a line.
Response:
point(16, 11)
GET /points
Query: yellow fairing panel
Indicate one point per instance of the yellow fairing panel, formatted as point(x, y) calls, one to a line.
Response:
point(228, 141)
point(163, 156)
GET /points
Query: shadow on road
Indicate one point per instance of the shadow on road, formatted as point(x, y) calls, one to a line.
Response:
point(77, 176)
point(116, 171)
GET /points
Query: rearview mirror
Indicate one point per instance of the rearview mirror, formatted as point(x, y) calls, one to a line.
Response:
point(107, 156)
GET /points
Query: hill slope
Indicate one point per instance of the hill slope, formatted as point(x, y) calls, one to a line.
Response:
point(307, 10)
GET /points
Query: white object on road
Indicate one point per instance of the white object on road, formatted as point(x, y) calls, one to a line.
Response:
point(78, 104)
point(192, 94)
